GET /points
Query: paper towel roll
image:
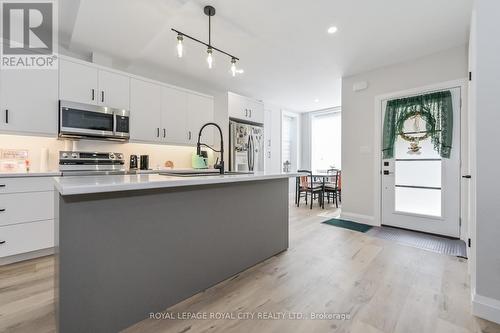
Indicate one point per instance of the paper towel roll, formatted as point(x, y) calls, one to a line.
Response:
point(44, 159)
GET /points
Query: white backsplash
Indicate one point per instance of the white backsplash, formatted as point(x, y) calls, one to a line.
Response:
point(158, 154)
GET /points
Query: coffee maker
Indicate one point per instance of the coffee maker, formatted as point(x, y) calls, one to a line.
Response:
point(134, 162)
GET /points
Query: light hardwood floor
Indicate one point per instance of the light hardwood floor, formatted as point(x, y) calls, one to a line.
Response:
point(384, 287)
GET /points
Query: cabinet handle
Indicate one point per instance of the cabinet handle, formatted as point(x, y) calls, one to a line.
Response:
point(93, 94)
point(2, 210)
point(250, 113)
point(164, 133)
point(2, 242)
point(2, 185)
point(102, 96)
point(6, 116)
point(157, 132)
point(189, 135)
point(246, 113)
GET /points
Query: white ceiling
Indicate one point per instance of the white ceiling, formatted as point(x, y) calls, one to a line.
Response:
point(288, 57)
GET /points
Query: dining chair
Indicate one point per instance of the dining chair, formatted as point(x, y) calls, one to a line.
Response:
point(332, 186)
point(307, 187)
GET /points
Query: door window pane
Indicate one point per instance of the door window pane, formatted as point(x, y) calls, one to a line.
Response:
point(418, 173)
point(418, 201)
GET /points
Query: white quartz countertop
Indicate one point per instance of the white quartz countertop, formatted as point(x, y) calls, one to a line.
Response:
point(112, 183)
point(30, 174)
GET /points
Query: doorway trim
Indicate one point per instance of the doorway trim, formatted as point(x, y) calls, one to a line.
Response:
point(377, 139)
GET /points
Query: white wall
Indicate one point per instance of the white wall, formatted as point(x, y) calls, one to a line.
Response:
point(486, 86)
point(358, 117)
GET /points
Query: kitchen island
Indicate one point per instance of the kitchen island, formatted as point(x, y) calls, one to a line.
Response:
point(128, 246)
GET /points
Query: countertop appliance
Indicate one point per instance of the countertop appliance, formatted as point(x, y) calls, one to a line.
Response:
point(77, 120)
point(134, 162)
point(144, 162)
point(77, 163)
point(246, 146)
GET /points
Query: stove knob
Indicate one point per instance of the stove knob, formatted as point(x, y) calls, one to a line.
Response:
point(74, 155)
point(112, 156)
point(64, 155)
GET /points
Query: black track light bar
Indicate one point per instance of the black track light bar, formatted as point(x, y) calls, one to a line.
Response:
point(206, 44)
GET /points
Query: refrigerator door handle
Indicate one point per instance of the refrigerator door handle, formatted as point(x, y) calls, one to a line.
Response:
point(248, 153)
point(252, 154)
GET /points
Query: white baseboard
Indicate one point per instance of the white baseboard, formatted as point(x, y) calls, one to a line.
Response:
point(365, 219)
point(486, 308)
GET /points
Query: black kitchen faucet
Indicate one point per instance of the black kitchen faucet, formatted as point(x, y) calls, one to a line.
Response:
point(220, 165)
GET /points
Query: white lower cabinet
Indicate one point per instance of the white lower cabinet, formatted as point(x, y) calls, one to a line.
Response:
point(26, 207)
point(26, 237)
point(26, 215)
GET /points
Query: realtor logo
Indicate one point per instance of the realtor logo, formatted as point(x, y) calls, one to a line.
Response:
point(29, 34)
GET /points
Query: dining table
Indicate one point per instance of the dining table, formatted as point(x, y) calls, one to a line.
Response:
point(319, 177)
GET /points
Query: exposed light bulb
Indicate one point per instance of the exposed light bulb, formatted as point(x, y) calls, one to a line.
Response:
point(332, 30)
point(233, 66)
point(210, 59)
point(179, 46)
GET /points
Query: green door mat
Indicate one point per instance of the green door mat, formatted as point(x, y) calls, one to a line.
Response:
point(349, 225)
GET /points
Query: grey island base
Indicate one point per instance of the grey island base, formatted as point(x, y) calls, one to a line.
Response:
point(122, 255)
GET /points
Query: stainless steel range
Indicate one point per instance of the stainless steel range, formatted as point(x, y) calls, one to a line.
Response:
point(77, 163)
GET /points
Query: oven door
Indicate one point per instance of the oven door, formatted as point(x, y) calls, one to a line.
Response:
point(76, 119)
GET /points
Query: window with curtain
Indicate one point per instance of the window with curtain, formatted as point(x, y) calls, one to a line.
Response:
point(432, 116)
point(326, 141)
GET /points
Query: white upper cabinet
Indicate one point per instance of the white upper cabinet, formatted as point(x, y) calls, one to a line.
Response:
point(29, 101)
point(87, 84)
point(174, 115)
point(162, 114)
point(200, 112)
point(78, 82)
point(114, 90)
point(244, 108)
point(145, 111)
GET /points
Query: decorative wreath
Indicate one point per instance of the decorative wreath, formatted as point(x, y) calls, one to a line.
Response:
point(424, 114)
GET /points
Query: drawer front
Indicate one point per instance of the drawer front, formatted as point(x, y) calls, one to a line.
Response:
point(26, 184)
point(26, 237)
point(26, 207)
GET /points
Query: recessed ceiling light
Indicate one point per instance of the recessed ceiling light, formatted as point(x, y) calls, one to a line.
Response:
point(332, 30)
point(316, 100)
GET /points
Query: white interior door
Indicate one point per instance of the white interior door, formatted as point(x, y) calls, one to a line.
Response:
point(422, 191)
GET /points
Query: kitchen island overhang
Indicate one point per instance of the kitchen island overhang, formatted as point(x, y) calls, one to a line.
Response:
point(128, 246)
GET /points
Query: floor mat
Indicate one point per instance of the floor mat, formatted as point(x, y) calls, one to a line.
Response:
point(348, 225)
point(453, 247)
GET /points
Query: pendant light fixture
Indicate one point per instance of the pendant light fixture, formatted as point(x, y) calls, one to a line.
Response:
point(209, 11)
point(179, 45)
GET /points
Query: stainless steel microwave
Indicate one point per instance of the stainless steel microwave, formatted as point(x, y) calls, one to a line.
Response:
point(77, 120)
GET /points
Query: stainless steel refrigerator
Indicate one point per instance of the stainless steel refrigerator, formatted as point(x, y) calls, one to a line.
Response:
point(246, 146)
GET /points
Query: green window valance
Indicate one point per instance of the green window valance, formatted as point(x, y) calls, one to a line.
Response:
point(437, 111)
